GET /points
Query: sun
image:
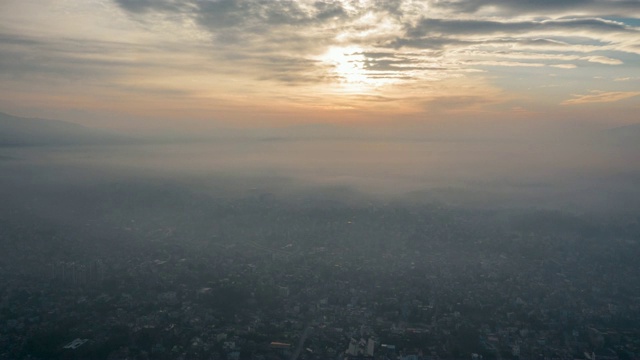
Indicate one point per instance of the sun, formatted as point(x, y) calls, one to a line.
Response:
point(348, 64)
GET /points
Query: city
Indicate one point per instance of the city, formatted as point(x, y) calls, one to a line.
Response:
point(317, 281)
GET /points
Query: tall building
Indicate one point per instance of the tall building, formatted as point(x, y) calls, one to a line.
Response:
point(362, 349)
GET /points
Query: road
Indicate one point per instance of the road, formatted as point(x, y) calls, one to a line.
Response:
point(303, 338)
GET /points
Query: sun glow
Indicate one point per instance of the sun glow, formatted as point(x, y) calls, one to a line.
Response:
point(349, 67)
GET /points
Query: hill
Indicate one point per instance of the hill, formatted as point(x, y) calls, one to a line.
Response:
point(628, 135)
point(19, 131)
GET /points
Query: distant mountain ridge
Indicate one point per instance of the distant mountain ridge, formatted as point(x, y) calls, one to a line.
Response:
point(20, 131)
point(625, 135)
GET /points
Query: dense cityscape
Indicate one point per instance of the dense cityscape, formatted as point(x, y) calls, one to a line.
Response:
point(167, 274)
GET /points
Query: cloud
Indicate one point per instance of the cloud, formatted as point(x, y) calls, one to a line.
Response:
point(279, 50)
point(142, 6)
point(26, 57)
point(477, 27)
point(249, 15)
point(310, 27)
point(505, 63)
point(523, 39)
point(545, 7)
point(564, 66)
point(603, 60)
point(600, 97)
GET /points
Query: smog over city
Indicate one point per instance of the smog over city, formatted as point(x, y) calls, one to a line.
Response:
point(320, 179)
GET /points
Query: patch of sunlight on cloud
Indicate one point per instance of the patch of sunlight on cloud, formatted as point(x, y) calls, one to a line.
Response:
point(600, 97)
point(603, 60)
point(564, 66)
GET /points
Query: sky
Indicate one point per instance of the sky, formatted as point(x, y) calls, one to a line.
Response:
point(189, 64)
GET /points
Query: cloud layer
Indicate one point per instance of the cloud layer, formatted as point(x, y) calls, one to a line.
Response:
point(377, 55)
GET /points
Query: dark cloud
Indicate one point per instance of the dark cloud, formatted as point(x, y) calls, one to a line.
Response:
point(256, 15)
point(256, 34)
point(479, 27)
point(546, 7)
point(142, 6)
point(263, 26)
point(377, 55)
point(391, 67)
point(443, 34)
point(81, 60)
point(328, 10)
point(431, 43)
point(286, 69)
point(16, 39)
